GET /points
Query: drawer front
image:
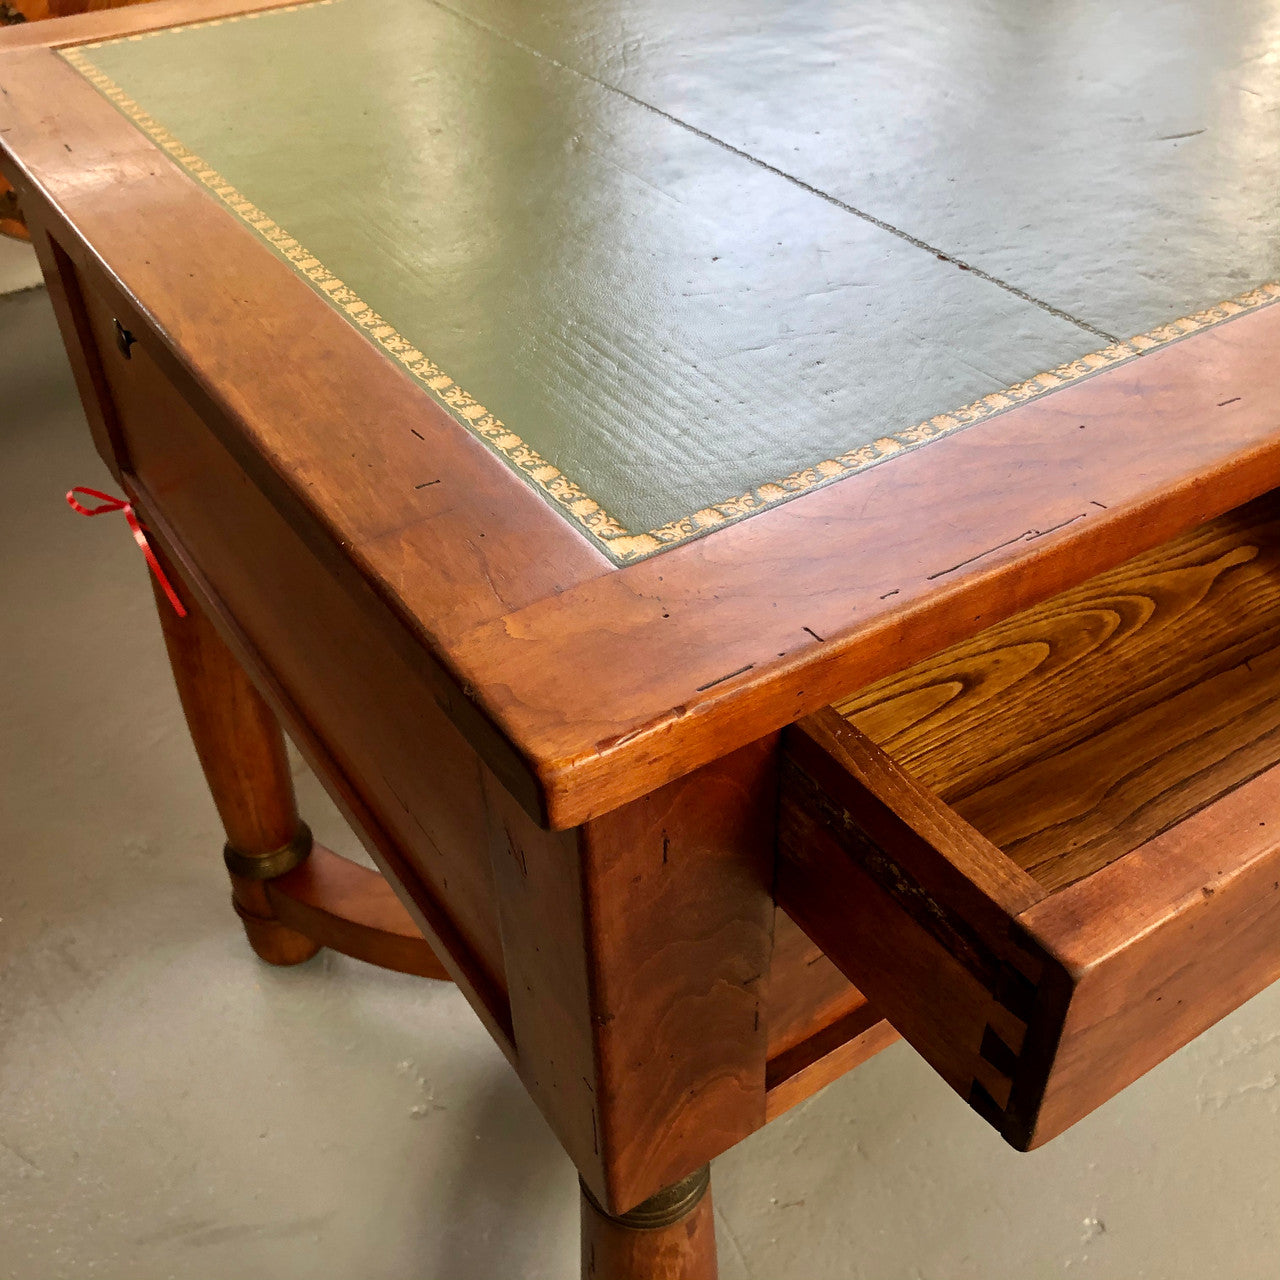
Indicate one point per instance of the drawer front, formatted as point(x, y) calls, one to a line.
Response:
point(1035, 1006)
point(1050, 855)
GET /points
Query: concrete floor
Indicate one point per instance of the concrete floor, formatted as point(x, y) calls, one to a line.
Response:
point(18, 267)
point(170, 1107)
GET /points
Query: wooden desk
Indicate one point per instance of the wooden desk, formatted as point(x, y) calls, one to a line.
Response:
point(11, 13)
point(731, 512)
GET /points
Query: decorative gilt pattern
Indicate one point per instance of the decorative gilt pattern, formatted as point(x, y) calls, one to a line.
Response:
point(767, 495)
point(463, 406)
point(620, 543)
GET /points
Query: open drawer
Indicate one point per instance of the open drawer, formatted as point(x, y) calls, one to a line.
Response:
point(1051, 854)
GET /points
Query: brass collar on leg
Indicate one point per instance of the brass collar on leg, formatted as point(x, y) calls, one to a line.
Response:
point(664, 1208)
point(267, 866)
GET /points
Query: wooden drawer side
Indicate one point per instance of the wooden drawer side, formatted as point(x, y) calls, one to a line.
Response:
point(1035, 1006)
point(916, 910)
point(1072, 733)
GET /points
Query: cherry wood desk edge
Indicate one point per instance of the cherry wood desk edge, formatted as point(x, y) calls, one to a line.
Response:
point(590, 685)
point(105, 24)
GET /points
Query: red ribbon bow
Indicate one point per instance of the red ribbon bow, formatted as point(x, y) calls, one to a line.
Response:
point(110, 504)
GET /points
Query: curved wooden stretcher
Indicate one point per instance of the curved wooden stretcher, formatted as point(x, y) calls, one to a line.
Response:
point(341, 905)
point(292, 895)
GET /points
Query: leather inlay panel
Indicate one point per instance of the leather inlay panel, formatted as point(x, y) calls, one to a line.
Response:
point(1115, 159)
point(658, 331)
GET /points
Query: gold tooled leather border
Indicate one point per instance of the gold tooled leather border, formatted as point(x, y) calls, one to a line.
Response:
point(619, 543)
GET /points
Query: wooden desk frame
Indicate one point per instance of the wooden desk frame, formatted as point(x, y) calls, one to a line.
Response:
point(618, 728)
point(601, 683)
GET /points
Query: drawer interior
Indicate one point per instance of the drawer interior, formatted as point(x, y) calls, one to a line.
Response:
point(1076, 731)
point(1050, 855)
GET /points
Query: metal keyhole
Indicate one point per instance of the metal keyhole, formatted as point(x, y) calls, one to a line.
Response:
point(124, 339)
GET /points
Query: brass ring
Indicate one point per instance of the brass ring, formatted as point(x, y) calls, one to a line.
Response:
point(267, 866)
point(663, 1209)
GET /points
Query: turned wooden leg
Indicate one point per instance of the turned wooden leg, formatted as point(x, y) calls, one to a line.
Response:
point(671, 1236)
point(241, 750)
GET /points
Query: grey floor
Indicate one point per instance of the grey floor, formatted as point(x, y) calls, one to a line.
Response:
point(18, 266)
point(169, 1107)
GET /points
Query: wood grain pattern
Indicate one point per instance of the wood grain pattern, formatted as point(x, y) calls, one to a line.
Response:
point(1160, 945)
point(638, 949)
point(318, 410)
point(95, 24)
point(237, 739)
point(893, 905)
point(824, 1057)
point(465, 671)
point(485, 995)
point(135, 390)
point(539, 880)
point(599, 685)
point(352, 909)
point(807, 993)
point(380, 715)
point(86, 365)
point(689, 650)
point(897, 812)
point(1070, 734)
point(362, 715)
point(1140, 733)
point(11, 221)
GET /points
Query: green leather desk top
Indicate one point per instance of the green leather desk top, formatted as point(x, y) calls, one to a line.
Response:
point(676, 264)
